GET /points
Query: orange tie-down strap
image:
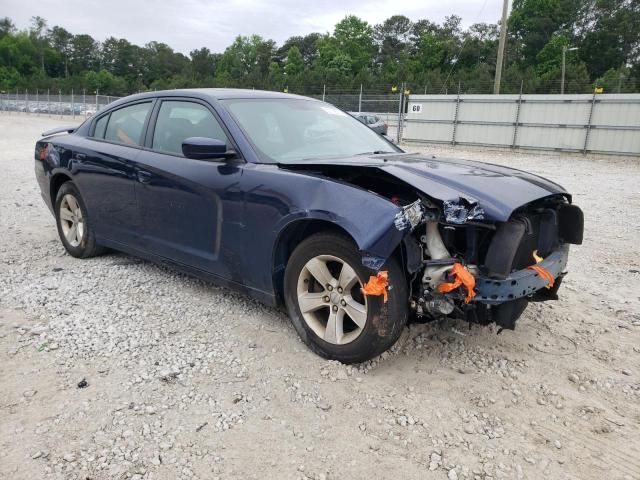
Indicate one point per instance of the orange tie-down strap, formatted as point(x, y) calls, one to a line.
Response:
point(461, 276)
point(377, 285)
point(544, 273)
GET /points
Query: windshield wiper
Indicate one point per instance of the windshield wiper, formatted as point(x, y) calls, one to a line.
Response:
point(375, 152)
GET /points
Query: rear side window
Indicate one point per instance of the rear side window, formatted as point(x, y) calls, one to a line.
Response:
point(125, 125)
point(101, 126)
point(179, 120)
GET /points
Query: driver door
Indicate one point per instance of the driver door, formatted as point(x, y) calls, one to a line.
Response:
point(188, 207)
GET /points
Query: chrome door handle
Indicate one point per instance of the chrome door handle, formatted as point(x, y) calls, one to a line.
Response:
point(144, 177)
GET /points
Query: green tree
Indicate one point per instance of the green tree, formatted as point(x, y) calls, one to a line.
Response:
point(351, 43)
point(295, 63)
point(609, 34)
point(6, 26)
point(83, 54)
point(60, 40)
point(37, 33)
point(203, 63)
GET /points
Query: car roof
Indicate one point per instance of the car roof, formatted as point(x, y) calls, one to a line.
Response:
point(214, 93)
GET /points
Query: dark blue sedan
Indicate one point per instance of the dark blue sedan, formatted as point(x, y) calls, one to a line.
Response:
point(296, 203)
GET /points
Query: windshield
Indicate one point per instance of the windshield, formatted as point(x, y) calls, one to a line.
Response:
point(291, 130)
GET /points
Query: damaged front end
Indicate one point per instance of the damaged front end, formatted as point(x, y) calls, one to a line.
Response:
point(484, 271)
point(478, 241)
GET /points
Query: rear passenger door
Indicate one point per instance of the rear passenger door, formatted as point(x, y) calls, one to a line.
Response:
point(189, 208)
point(105, 174)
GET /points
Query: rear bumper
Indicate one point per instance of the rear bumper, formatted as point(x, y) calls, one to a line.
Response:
point(521, 283)
point(44, 183)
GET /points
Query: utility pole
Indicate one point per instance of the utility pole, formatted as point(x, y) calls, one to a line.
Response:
point(501, 45)
point(565, 49)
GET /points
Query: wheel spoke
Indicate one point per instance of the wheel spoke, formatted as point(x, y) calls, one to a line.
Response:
point(356, 311)
point(80, 231)
point(334, 331)
point(311, 301)
point(66, 214)
point(348, 277)
point(318, 268)
point(73, 204)
point(73, 233)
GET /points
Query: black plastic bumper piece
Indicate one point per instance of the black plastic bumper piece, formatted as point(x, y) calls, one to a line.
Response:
point(521, 283)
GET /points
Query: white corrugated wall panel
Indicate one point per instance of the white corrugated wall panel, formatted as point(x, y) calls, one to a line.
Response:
point(432, 132)
point(554, 138)
point(543, 110)
point(485, 134)
point(623, 141)
point(479, 114)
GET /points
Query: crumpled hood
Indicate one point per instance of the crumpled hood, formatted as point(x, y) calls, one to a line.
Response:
point(496, 189)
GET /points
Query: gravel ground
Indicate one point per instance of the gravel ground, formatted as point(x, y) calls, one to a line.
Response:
point(115, 368)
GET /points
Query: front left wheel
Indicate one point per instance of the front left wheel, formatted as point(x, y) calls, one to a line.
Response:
point(74, 224)
point(323, 293)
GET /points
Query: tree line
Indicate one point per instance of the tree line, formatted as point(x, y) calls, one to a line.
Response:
point(601, 39)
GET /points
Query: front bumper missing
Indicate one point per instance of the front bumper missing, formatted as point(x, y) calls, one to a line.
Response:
point(521, 283)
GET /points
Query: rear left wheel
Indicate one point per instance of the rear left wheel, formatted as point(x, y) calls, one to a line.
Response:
point(74, 225)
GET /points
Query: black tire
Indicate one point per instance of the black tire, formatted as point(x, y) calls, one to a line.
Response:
point(87, 246)
point(384, 321)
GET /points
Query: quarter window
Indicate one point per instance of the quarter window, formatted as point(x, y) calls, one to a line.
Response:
point(179, 120)
point(101, 126)
point(125, 124)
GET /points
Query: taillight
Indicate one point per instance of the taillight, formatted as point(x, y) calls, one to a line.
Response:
point(43, 150)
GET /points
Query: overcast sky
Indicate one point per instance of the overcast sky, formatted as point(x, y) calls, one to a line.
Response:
point(189, 24)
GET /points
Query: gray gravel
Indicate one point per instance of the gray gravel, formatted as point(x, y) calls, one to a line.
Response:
point(118, 368)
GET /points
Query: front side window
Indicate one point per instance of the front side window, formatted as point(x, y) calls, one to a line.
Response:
point(125, 124)
point(292, 130)
point(179, 120)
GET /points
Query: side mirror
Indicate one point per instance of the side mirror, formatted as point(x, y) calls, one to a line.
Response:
point(203, 148)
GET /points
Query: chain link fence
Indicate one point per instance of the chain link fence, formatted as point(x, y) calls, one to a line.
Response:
point(84, 105)
point(48, 102)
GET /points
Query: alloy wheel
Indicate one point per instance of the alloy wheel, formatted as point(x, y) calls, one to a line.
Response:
point(330, 299)
point(71, 220)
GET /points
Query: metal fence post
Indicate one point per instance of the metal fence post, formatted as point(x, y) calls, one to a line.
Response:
point(37, 101)
point(96, 100)
point(48, 102)
point(26, 101)
point(84, 102)
point(73, 106)
point(455, 117)
point(516, 124)
point(60, 102)
point(324, 90)
point(399, 132)
point(588, 126)
point(360, 100)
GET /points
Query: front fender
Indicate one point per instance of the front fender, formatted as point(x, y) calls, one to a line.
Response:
point(367, 217)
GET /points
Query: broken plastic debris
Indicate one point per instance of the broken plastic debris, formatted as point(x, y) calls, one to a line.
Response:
point(537, 257)
point(410, 216)
point(462, 276)
point(377, 285)
point(461, 211)
point(372, 262)
point(544, 273)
